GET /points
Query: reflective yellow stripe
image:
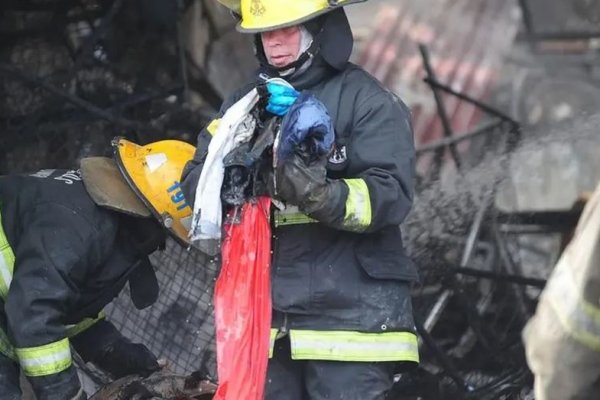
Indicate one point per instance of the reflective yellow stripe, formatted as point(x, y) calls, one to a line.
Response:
point(354, 346)
point(577, 268)
point(5, 346)
point(48, 359)
point(358, 206)
point(76, 329)
point(577, 316)
point(272, 338)
point(7, 262)
point(292, 216)
point(213, 126)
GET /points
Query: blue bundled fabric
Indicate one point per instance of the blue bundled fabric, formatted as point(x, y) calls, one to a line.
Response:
point(306, 124)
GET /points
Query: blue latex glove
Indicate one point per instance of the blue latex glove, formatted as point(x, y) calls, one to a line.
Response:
point(281, 98)
point(307, 123)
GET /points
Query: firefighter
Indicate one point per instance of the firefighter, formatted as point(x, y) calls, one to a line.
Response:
point(342, 313)
point(69, 242)
point(562, 339)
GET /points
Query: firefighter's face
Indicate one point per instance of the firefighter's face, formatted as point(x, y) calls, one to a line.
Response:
point(282, 45)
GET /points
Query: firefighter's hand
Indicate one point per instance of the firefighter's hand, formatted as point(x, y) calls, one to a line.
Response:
point(103, 345)
point(123, 358)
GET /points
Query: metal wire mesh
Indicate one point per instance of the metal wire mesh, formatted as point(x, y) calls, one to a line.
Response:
point(180, 325)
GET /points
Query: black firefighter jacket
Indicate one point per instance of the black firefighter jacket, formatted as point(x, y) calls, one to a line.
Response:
point(325, 277)
point(71, 256)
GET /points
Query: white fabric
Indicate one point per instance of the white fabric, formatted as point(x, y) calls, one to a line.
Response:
point(236, 126)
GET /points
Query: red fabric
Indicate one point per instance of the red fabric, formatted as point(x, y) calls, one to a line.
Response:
point(242, 301)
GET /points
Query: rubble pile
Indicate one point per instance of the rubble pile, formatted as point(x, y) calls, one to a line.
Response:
point(74, 74)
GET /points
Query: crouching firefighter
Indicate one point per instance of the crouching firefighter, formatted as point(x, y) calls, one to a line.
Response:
point(69, 242)
point(342, 313)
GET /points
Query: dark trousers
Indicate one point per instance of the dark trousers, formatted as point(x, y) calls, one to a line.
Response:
point(9, 379)
point(9, 368)
point(288, 379)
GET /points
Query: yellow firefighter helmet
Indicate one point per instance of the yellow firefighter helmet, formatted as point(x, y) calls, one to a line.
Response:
point(143, 181)
point(266, 15)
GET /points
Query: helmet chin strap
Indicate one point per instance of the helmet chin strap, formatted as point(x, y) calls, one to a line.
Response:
point(289, 69)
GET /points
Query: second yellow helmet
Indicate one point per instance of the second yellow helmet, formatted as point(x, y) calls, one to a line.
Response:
point(143, 181)
point(153, 171)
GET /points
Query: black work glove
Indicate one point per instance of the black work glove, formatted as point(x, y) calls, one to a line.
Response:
point(103, 345)
point(304, 183)
point(62, 386)
point(122, 358)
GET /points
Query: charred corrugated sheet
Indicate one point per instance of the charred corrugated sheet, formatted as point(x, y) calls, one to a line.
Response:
point(467, 40)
